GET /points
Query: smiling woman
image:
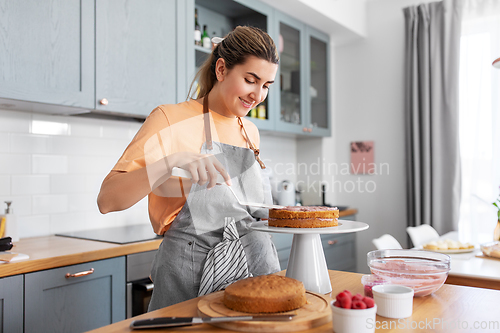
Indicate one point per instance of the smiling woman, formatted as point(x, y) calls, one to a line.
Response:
point(207, 242)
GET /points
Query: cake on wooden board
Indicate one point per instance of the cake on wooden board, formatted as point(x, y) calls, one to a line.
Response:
point(304, 217)
point(265, 294)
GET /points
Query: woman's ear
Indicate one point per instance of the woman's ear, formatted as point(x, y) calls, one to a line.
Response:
point(220, 69)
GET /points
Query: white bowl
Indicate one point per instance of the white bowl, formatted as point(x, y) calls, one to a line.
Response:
point(394, 301)
point(353, 320)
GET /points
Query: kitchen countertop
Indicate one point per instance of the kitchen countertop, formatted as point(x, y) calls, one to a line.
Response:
point(450, 309)
point(54, 251)
point(348, 212)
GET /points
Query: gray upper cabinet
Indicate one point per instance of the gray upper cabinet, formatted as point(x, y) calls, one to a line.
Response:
point(135, 55)
point(47, 52)
point(318, 80)
point(11, 304)
point(292, 74)
point(57, 303)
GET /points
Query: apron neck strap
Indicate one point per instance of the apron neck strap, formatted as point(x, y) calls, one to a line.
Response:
point(208, 133)
point(206, 117)
point(256, 151)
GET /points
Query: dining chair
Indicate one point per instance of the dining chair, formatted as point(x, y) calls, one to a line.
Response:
point(422, 234)
point(386, 242)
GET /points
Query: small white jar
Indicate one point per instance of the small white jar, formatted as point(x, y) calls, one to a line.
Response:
point(393, 301)
point(353, 320)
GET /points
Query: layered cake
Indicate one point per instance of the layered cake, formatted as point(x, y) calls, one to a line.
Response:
point(265, 294)
point(304, 217)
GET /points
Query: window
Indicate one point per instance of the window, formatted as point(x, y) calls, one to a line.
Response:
point(479, 131)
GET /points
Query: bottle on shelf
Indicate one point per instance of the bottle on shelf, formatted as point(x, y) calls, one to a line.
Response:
point(253, 113)
point(197, 31)
point(261, 111)
point(205, 38)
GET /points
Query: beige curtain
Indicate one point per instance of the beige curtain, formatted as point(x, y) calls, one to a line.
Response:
point(431, 108)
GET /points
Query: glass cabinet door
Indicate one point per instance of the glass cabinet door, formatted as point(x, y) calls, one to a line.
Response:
point(291, 75)
point(319, 105)
point(221, 17)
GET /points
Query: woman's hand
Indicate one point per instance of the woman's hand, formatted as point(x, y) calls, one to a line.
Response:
point(203, 168)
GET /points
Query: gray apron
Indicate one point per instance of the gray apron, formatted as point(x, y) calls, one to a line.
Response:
point(213, 219)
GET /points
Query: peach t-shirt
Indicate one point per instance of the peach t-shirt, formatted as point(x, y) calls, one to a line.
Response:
point(175, 128)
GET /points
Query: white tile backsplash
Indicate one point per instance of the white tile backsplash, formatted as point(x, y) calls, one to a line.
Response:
point(15, 122)
point(53, 180)
point(50, 204)
point(30, 184)
point(33, 225)
point(21, 205)
point(67, 222)
point(4, 186)
point(60, 184)
point(15, 164)
point(4, 142)
point(28, 143)
point(50, 164)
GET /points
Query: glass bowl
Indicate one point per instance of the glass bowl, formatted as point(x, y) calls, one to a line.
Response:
point(423, 271)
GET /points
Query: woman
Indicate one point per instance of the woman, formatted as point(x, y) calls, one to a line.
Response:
point(207, 242)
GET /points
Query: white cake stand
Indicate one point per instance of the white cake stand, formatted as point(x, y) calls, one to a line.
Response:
point(307, 261)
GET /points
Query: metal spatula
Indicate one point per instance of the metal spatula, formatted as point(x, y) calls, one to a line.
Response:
point(178, 172)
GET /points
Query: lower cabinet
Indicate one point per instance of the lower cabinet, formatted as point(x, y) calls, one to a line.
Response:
point(11, 304)
point(75, 298)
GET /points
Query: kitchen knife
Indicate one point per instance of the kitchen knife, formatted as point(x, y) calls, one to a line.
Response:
point(162, 322)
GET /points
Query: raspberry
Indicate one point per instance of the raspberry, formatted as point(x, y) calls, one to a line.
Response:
point(344, 300)
point(348, 292)
point(357, 304)
point(357, 297)
point(370, 303)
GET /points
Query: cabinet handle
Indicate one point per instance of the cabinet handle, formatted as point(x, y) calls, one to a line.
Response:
point(90, 271)
point(332, 242)
point(104, 101)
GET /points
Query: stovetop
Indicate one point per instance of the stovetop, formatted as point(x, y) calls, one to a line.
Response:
point(118, 235)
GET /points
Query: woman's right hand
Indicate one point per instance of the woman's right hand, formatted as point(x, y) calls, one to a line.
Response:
point(203, 167)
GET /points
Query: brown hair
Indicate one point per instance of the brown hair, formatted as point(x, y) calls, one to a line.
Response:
point(242, 42)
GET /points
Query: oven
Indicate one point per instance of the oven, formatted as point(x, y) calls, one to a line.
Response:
point(139, 285)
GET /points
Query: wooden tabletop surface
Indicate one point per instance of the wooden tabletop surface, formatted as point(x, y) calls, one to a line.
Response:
point(450, 309)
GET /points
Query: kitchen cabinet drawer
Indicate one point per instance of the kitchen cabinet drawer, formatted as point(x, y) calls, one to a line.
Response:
point(11, 304)
point(56, 303)
point(340, 251)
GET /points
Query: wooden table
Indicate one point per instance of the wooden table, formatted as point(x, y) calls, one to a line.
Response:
point(450, 309)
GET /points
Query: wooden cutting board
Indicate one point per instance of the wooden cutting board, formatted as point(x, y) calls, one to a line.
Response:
point(315, 312)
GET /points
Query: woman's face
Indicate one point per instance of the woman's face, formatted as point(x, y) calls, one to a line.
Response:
point(243, 87)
